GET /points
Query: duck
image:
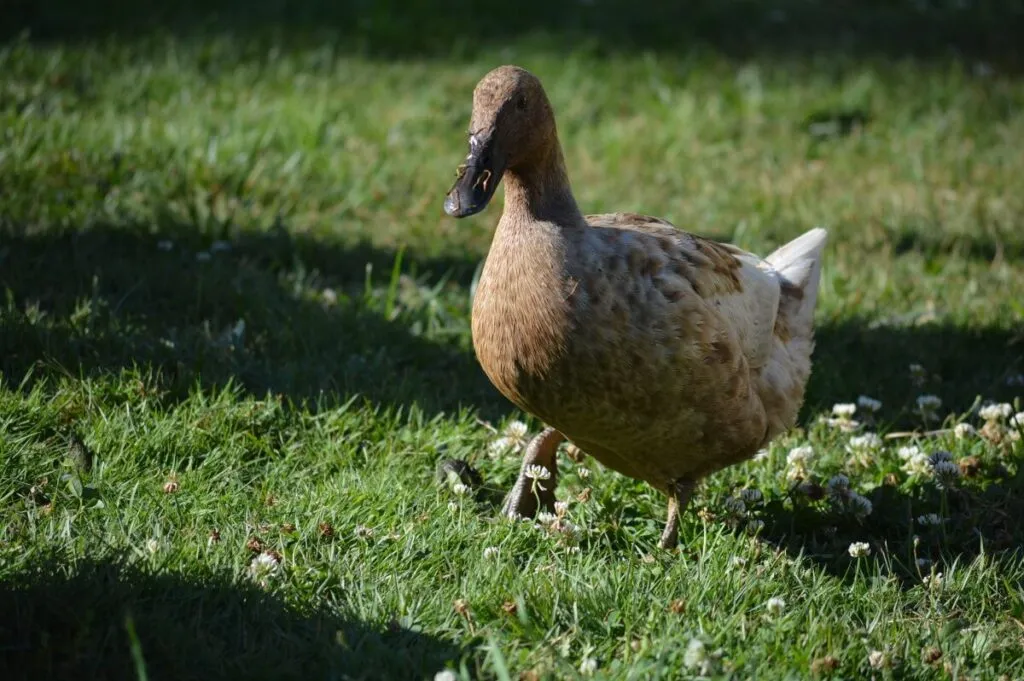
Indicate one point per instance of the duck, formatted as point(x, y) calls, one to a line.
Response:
point(663, 354)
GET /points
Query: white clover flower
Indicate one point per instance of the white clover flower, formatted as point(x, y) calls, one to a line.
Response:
point(917, 466)
point(513, 439)
point(588, 666)
point(1018, 419)
point(928, 403)
point(698, 658)
point(929, 519)
point(561, 508)
point(735, 506)
point(995, 412)
point(546, 518)
point(363, 531)
point(264, 565)
point(446, 675)
point(800, 455)
point(844, 424)
point(907, 453)
point(796, 472)
point(797, 459)
point(933, 581)
point(863, 447)
point(859, 549)
point(152, 545)
point(964, 430)
point(537, 472)
point(915, 461)
point(453, 506)
point(878, 660)
point(865, 442)
point(460, 489)
point(775, 606)
point(516, 429)
point(568, 528)
point(946, 474)
point(751, 495)
point(490, 552)
point(844, 410)
point(500, 446)
point(738, 561)
point(868, 403)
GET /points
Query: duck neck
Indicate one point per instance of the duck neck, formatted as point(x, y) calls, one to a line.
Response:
point(539, 191)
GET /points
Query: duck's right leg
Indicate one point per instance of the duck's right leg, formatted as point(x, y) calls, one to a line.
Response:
point(533, 489)
point(678, 500)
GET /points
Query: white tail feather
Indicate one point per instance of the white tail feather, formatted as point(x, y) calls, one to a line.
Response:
point(799, 265)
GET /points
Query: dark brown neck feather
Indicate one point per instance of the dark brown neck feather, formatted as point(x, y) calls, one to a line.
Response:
point(539, 190)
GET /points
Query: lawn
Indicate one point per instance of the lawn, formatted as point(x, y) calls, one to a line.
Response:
point(235, 346)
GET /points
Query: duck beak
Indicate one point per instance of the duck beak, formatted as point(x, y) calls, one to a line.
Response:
point(477, 179)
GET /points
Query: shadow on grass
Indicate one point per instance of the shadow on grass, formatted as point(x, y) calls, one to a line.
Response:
point(983, 29)
point(859, 357)
point(106, 299)
point(63, 626)
point(962, 364)
point(979, 517)
point(973, 246)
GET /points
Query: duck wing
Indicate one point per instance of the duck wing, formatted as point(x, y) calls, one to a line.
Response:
point(744, 289)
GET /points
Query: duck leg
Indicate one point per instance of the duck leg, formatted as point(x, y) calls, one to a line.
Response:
point(530, 491)
point(678, 499)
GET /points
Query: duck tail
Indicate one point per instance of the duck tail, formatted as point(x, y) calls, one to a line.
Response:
point(799, 266)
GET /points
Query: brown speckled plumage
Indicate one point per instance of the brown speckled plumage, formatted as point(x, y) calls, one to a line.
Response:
point(664, 355)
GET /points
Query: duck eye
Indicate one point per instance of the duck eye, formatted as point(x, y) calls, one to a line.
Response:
point(521, 103)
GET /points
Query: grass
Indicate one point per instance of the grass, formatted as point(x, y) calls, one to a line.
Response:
point(227, 272)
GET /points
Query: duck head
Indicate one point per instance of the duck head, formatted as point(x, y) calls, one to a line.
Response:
point(512, 127)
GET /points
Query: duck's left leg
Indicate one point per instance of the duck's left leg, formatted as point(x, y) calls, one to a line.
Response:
point(678, 499)
point(533, 488)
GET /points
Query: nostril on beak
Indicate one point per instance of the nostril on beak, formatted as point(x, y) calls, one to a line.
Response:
point(482, 181)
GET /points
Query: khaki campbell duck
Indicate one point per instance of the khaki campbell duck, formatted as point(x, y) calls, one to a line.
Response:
point(664, 355)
